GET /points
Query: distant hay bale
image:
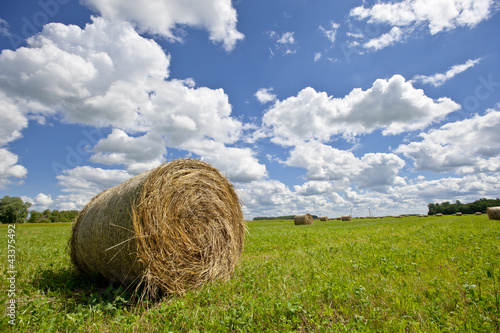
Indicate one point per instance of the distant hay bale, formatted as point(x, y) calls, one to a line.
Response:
point(439, 214)
point(303, 219)
point(478, 213)
point(338, 218)
point(458, 214)
point(493, 213)
point(398, 216)
point(346, 218)
point(323, 218)
point(170, 229)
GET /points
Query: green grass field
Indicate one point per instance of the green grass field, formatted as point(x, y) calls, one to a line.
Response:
point(372, 275)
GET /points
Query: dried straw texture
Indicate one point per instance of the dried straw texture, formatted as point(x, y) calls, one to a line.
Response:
point(323, 218)
point(346, 218)
point(303, 219)
point(493, 213)
point(170, 229)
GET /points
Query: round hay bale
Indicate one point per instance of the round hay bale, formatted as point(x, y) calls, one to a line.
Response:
point(303, 219)
point(323, 218)
point(346, 218)
point(170, 229)
point(478, 213)
point(493, 213)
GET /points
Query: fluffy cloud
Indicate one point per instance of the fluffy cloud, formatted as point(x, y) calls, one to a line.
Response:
point(265, 95)
point(314, 188)
point(136, 153)
point(82, 183)
point(40, 202)
point(9, 168)
point(239, 164)
point(439, 79)
point(438, 15)
point(166, 18)
point(469, 145)
point(86, 73)
point(466, 189)
point(325, 163)
point(12, 121)
point(392, 105)
point(43, 200)
point(108, 75)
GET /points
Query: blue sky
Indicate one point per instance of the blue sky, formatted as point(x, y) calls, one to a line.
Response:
point(324, 107)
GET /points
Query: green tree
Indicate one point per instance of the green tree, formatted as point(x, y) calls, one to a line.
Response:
point(13, 210)
point(34, 216)
point(432, 209)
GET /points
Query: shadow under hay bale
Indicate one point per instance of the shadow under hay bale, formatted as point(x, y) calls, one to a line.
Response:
point(303, 219)
point(493, 213)
point(170, 229)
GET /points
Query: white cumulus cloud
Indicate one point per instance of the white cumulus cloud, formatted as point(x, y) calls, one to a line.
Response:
point(9, 168)
point(265, 95)
point(326, 163)
point(82, 183)
point(466, 146)
point(167, 18)
point(392, 105)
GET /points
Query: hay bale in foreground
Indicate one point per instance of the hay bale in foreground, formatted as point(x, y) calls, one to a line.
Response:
point(346, 218)
point(303, 219)
point(493, 213)
point(323, 218)
point(170, 229)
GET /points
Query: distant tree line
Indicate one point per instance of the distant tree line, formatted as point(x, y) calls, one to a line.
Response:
point(49, 216)
point(448, 208)
point(15, 210)
point(285, 217)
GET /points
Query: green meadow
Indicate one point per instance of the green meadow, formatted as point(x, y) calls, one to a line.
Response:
point(429, 274)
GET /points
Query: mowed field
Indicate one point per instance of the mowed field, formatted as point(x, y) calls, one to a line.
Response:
point(434, 274)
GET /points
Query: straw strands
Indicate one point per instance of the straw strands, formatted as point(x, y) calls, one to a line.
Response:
point(303, 219)
point(493, 213)
point(170, 229)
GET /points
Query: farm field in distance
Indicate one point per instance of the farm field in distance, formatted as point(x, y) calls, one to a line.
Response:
point(412, 274)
